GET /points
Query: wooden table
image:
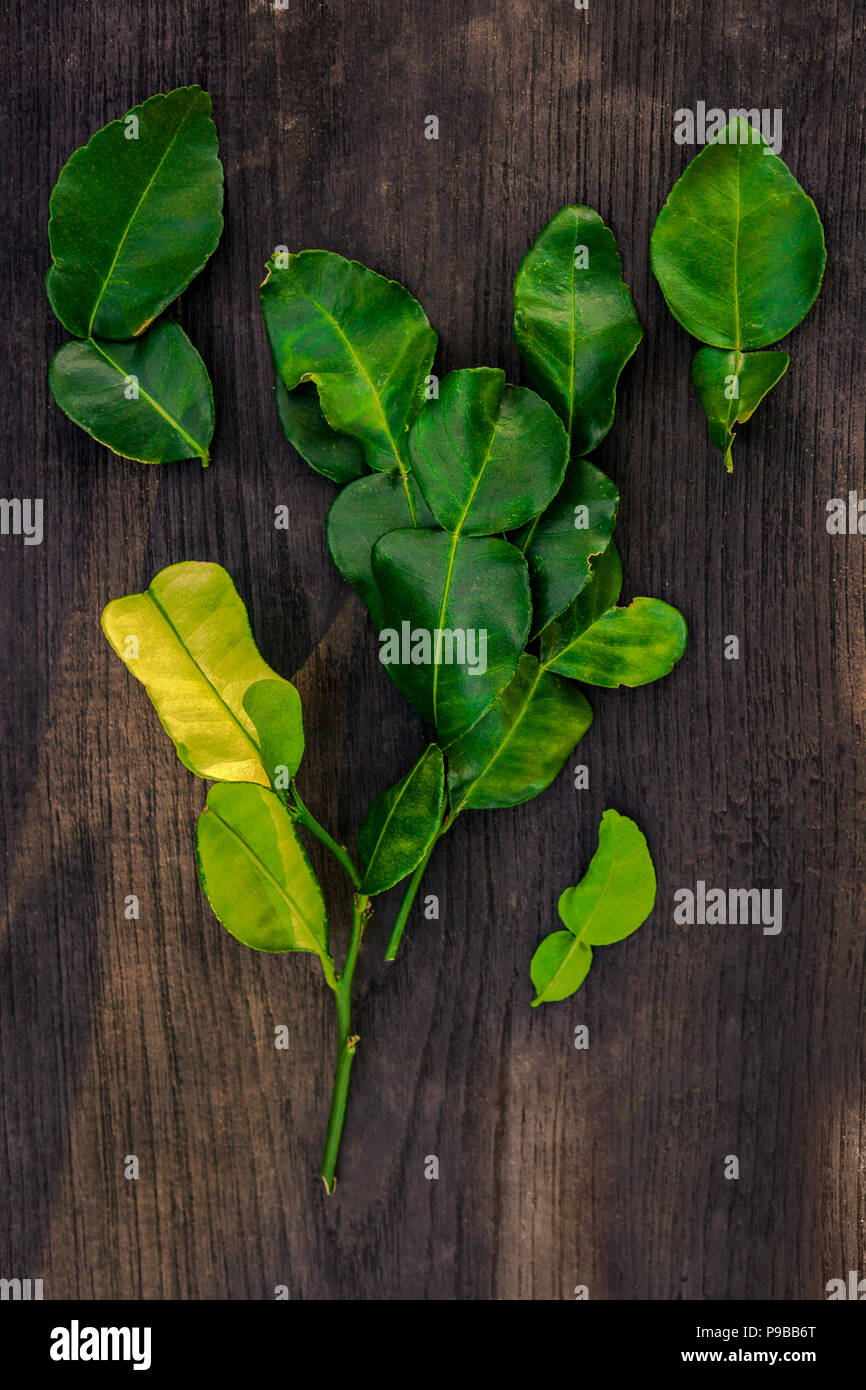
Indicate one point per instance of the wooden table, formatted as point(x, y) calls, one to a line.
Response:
point(155, 1037)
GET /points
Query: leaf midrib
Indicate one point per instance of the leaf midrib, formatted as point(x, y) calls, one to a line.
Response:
point(389, 817)
point(290, 902)
point(205, 677)
point(456, 534)
point(404, 472)
point(134, 214)
point(577, 937)
point(198, 449)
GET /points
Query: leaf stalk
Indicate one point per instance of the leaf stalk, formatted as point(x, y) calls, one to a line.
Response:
point(347, 1043)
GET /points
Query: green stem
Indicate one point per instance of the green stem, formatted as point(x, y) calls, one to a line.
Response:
point(347, 1042)
point(409, 896)
point(308, 820)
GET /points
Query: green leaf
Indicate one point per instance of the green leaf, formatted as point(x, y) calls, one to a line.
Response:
point(470, 588)
point(731, 385)
point(575, 322)
point(615, 895)
point(402, 823)
point(596, 642)
point(335, 456)
point(560, 543)
point(521, 743)
point(738, 248)
point(359, 516)
point(135, 214)
point(559, 967)
point(149, 399)
point(487, 456)
point(274, 706)
point(187, 639)
point(363, 340)
point(256, 875)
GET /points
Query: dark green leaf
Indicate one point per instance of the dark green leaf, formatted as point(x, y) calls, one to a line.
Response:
point(363, 340)
point(402, 823)
point(487, 456)
point(274, 706)
point(738, 248)
point(575, 322)
point(133, 220)
point(256, 875)
point(731, 385)
point(359, 516)
point(336, 456)
point(518, 747)
point(560, 543)
point(596, 642)
point(615, 895)
point(470, 590)
point(149, 399)
point(188, 640)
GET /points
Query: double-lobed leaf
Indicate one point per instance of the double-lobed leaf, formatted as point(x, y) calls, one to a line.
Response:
point(255, 873)
point(517, 748)
point(187, 638)
point(363, 340)
point(455, 614)
point(135, 214)
point(738, 250)
point(597, 642)
point(575, 322)
point(487, 456)
point(149, 399)
point(402, 823)
point(615, 895)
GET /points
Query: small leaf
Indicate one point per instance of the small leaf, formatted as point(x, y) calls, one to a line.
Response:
point(615, 895)
point(731, 386)
point(559, 967)
point(517, 748)
point(609, 646)
point(335, 456)
point(738, 247)
point(402, 823)
point(560, 543)
point(363, 340)
point(135, 214)
point(274, 706)
point(187, 639)
point(256, 875)
point(456, 615)
point(149, 399)
point(575, 322)
point(487, 456)
point(617, 891)
point(359, 516)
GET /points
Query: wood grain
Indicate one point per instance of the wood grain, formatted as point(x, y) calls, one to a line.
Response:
point(155, 1037)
